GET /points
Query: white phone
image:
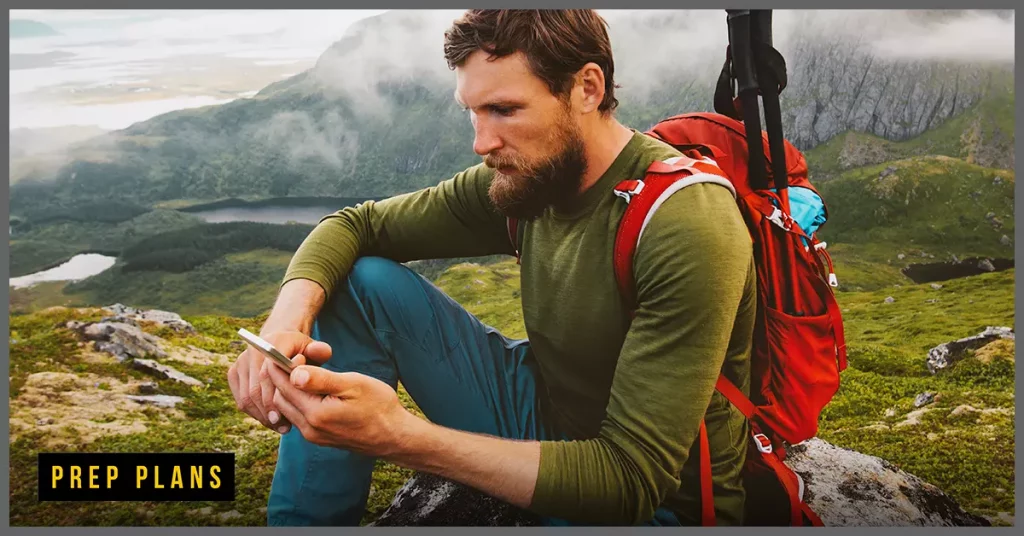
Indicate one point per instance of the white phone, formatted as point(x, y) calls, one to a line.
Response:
point(268, 349)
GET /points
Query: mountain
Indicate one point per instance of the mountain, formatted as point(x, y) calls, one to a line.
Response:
point(21, 28)
point(375, 115)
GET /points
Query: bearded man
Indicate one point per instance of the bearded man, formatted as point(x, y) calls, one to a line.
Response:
point(590, 420)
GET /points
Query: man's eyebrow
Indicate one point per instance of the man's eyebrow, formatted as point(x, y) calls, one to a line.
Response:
point(499, 103)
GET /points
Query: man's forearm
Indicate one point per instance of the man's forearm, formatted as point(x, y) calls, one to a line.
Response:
point(502, 468)
point(296, 307)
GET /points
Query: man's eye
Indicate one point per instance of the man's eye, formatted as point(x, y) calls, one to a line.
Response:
point(504, 110)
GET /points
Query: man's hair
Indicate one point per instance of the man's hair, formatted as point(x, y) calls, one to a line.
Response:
point(556, 43)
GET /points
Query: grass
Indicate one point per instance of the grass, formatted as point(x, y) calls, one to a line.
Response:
point(968, 455)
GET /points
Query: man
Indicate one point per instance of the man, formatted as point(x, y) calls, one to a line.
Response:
point(593, 419)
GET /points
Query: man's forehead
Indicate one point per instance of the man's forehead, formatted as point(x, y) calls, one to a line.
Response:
point(481, 81)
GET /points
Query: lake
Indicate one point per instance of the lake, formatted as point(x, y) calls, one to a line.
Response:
point(76, 268)
point(307, 215)
point(306, 210)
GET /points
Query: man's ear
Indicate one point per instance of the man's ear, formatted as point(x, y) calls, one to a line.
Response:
point(590, 79)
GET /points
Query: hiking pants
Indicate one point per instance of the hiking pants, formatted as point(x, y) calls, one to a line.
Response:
point(390, 323)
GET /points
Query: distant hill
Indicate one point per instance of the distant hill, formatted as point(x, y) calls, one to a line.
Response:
point(22, 28)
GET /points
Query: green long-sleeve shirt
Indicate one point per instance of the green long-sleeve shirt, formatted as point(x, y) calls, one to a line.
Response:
point(631, 394)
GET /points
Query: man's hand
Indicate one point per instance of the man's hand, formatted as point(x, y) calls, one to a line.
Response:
point(346, 410)
point(359, 413)
point(253, 396)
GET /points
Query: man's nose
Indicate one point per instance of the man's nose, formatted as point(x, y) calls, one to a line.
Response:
point(485, 139)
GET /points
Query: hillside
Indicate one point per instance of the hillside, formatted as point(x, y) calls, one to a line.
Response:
point(65, 393)
point(917, 210)
point(983, 134)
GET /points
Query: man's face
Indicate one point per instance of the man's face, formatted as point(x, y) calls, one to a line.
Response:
point(528, 135)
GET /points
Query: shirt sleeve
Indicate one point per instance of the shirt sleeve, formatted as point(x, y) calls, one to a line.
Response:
point(693, 270)
point(453, 219)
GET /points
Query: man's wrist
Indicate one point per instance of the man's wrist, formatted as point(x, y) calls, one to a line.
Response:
point(297, 305)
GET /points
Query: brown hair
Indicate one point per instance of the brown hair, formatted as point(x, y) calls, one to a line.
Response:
point(556, 43)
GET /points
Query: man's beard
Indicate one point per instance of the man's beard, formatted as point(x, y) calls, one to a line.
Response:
point(552, 182)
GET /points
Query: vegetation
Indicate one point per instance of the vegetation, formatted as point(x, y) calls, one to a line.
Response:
point(968, 453)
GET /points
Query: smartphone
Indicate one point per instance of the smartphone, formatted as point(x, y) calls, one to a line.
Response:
point(268, 349)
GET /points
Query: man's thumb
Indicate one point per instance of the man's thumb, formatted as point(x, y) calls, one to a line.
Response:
point(318, 380)
point(318, 352)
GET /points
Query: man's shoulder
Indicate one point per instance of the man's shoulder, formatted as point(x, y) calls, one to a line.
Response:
point(652, 149)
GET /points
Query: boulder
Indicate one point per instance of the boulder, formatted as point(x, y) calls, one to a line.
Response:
point(131, 315)
point(163, 371)
point(121, 340)
point(945, 354)
point(844, 487)
point(160, 401)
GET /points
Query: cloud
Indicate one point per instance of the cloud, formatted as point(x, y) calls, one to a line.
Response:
point(301, 137)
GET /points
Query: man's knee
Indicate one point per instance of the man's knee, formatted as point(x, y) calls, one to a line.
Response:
point(376, 273)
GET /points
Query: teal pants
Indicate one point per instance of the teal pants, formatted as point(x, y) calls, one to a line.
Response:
point(388, 322)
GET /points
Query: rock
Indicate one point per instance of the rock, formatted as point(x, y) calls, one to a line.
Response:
point(149, 388)
point(847, 488)
point(160, 401)
point(130, 315)
point(890, 299)
point(936, 286)
point(886, 172)
point(844, 487)
point(1005, 240)
point(990, 215)
point(998, 180)
point(122, 340)
point(225, 516)
point(955, 259)
point(996, 223)
point(44, 421)
point(430, 500)
point(924, 399)
point(945, 354)
point(163, 371)
point(933, 300)
point(901, 256)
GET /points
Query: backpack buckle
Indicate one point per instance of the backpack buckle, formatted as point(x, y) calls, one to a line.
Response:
point(628, 194)
point(763, 443)
point(781, 219)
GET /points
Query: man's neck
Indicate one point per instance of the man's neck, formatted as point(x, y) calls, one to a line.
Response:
point(607, 139)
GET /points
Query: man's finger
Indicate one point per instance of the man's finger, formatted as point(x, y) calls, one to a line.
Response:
point(233, 383)
point(291, 413)
point(300, 400)
point(317, 352)
point(321, 381)
point(274, 416)
point(255, 389)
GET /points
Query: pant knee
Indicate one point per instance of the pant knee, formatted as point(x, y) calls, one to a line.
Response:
point(371, 274)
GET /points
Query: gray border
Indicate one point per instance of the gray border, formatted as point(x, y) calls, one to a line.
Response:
point(436, 4)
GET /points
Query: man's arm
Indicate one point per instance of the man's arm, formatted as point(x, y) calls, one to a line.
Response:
point(505, 469)
point(453, 219)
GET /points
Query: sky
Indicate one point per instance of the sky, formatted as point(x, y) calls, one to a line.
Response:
point(114, 68)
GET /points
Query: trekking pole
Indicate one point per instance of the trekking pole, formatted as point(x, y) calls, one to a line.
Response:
point(744, 72)
point(771, 74)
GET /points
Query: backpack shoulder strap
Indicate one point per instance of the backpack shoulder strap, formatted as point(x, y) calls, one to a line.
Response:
point(643, 197)
point(515, 237)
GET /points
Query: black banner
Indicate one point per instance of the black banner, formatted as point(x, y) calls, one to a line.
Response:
point(164, 476)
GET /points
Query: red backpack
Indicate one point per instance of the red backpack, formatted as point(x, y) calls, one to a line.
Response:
point(798, 349)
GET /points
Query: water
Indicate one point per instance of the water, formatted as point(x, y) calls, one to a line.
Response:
point(269, 214)
point(76, 268)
